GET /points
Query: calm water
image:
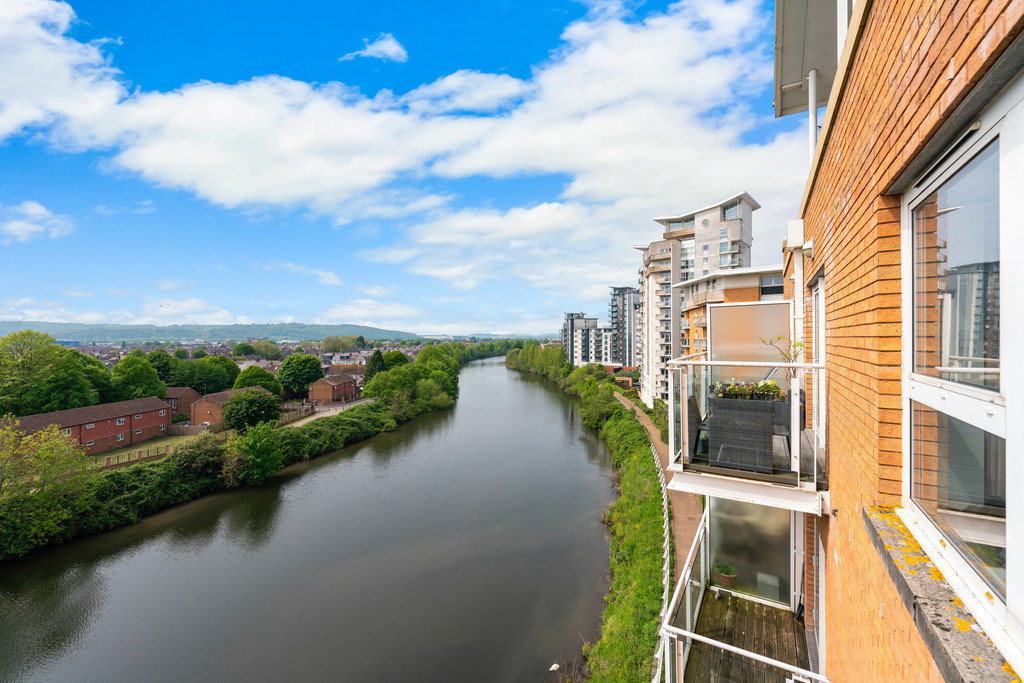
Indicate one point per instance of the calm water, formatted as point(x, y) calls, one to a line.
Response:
point(466, 546)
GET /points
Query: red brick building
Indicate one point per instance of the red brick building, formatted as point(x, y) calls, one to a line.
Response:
point(107, 426)
point(210, 408)
point(334, 389)
point(181, 399)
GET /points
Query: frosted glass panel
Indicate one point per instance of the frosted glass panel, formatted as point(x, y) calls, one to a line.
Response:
point(735, 333)
point(755, 540)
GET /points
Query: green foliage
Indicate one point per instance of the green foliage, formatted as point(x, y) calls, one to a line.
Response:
point(162, 362)
point(27, 358)
point(248, 408)
point(201, 375)
point(267, 349)
point(335, 343)
point(254, 376)
point(66, 387)
point(599, 406)
point(180, 354)
point(253, 457)
point(180, 417)
point(44, 485)
point(243, 349)
point(135, 378)
point(393, 358)
point(374, 364)
point(360, 342)
point(298, 371)
point(229, 366)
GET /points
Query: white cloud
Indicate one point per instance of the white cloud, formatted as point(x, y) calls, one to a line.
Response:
point(168, 285)
point(30, 220)
point(466, 90)
point(377, 291)
point(324, 277)
point(367, 312)
point(77, 293)
point(383, 47)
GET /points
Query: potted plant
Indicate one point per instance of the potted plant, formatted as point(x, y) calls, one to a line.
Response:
point(725, 574)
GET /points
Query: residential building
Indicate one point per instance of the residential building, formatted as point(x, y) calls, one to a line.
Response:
point(740, 285)
point(210, 408)
point(701, 243)
point(181, 399)
point(623, 310)
point(576, 337)
point(902, 408)
point(106, 426)
point(334, 388)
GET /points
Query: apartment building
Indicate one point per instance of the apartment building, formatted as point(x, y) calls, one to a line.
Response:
point(106, 426)
point(711, 240)
point(890, 487)
point(623, 310)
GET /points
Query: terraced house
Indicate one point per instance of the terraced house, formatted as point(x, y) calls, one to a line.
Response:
point(882, 514)
point(107, 426)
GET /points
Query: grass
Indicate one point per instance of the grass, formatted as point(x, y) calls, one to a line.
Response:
point(152, 444)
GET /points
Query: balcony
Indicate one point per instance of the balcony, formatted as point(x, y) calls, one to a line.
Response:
point(732, 433)
point(700, 344)
point(700, 321)
point(684, 324)
point(715, 633)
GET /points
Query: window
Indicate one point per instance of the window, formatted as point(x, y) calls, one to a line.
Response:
point(163, 412)
point(723, 234)
point(705, 248)
point(120, 421)
point(163, 427)
point(731, 211)
point(959, 221)
point(723, 247)
point(139, 416)
point(90, 425)
point(120, 437)
point(705, 261)
point(138, 431)
point(89, 443)
point(174, 403)
point(688, 223)
point(675, 225)
point(771, 286)
point(66, 431)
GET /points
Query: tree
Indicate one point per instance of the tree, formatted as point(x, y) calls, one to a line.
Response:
point(253, 457)
point(267, 349)
point(360, 342)
point(229, 366)
point(162, 363)
point(254, 375)
point(247, 408)
point(27, 358)
point(298, 371)
point(67, 387)
point(374, 365)
point(207, 378)
point(98, 375)
point(43, 487)
point(135, 378)
point(243, 349)
point(393, 358)
point(199, 353)
point(180, 354)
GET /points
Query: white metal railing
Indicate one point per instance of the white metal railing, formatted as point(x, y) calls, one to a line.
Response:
point(731, 449)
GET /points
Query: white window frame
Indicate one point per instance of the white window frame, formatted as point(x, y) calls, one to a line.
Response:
point(120, 437)
point(90, 425)
point(89, 443)
point(66, 431)
point(138, 431)
point(1000, 413)
point(120, 421)
point(139, 416)
point(163, 412)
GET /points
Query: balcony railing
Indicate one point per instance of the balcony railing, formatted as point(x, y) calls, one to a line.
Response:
point(684, 324)
point(746, 422)
point(700, 321)
point(683, 648)
point(700, 344)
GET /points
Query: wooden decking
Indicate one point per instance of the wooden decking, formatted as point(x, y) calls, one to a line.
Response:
point(749, 625)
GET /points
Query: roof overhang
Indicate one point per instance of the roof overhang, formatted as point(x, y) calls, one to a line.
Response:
point(798, 499)
point(806, 37)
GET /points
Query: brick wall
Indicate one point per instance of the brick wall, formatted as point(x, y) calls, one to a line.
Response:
point(915, 63)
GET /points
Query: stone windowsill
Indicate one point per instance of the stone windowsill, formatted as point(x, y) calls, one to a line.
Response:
point(960, 649)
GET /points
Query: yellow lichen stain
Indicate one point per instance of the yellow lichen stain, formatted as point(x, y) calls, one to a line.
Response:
point(889, 547)
point(943, 543)
point(937, 575)
point(914, 559)
point(958, 602)
point(1009, 669)
point(977, 659)
point(912, 572)
point(989, 595)
point(962, 625)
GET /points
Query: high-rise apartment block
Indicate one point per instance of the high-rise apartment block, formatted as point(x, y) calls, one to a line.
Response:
point(713, 239)
point(622, 315)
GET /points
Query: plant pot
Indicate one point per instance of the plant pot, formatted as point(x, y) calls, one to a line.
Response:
point(725, 580)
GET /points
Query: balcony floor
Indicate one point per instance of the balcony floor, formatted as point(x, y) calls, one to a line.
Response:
point(769, 631)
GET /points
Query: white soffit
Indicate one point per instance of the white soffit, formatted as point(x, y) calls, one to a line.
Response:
point(805, 39)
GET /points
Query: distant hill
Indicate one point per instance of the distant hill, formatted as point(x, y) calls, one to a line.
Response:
point(134, 334)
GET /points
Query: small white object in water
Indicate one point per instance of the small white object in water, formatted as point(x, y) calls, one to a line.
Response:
point(554, 667)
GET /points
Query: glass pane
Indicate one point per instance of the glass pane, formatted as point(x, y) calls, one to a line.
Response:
point(754, 540)
point(959, 480)
point(956, 276)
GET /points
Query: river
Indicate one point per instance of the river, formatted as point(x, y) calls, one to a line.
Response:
point(465, 546)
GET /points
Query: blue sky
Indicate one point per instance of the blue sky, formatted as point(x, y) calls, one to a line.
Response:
point(445, 167)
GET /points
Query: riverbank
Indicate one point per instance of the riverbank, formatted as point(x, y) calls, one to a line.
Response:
point(629, 628)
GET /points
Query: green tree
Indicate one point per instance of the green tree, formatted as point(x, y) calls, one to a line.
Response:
point(254, 375)
point(374, 364)
point(44, 486)
point(247, 408)
point(27, 359)
point(229, 366)
point(199, 353)
point(393, 358)
point(243, 349)
point(267, 349)
point(334, 344)
point(298, 371)
point(360, 342)
point(180, 354)
point(162, 362)
point(67, 387)
point(98, 375)
point(135, 378)
point(206, 378)
point(252, 457)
